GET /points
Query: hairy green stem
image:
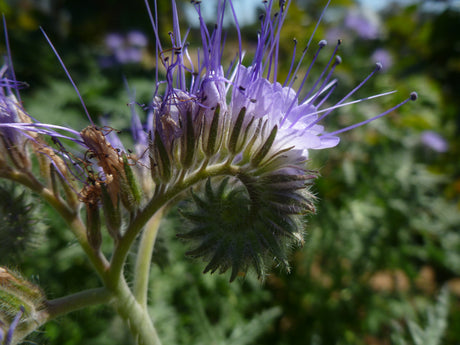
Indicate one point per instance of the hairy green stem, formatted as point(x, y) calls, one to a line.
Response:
point(136, 317)
point(64, 305)
point(144, 257)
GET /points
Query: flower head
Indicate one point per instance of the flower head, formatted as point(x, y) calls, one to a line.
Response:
point(246, 118)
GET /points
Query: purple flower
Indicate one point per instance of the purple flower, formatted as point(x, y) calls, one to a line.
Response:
point(364, 22)
point(124, 49)
point(114, 41)
point(253, 86)
point(434, 141)
point(247, 117)
point(384, 57)
point(136, 38)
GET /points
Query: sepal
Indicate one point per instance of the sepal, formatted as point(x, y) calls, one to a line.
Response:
point(93, 225)
point(212, 135)
point(112, 214)
point(160, 160)
point(131, 193)
point(233, 146)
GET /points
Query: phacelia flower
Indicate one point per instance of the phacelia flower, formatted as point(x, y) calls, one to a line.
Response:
point(245, 117)
point(434, 141)
point(364, 22)
point(384, 57)
point(124, 49)
point(237, 136)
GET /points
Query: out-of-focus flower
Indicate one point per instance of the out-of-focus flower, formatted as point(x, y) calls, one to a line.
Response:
point(364, 22)
point(124, 49)
point(137, 39)
point(384, 57)
point(114, 41)
point(434, 141)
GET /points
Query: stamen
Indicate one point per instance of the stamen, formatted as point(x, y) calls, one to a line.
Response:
point(336, 62)
point(10, 60)
point(309, 42)
point(321, 45)
point(377, 68)
point(292, 62)
point(413, 96)
point(68, 76)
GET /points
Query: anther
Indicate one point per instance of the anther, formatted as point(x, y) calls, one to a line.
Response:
point(338, 60)
point(378, 66)
point(413, 96)
point(322, 43)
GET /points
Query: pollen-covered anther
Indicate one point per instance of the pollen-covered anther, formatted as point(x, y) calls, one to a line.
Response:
point(322, 43)
point(338, 60)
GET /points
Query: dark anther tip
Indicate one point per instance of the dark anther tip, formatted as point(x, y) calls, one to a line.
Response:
point(413, 96)
point(322, 43)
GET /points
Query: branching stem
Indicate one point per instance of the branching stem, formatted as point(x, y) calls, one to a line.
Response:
point(144, 257)
point(80, 300)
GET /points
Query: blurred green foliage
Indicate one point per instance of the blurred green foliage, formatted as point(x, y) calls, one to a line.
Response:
point(386, 236)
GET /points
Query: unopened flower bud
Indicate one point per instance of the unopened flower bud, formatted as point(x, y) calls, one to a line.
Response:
point(20, 303)
point(93, 226)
